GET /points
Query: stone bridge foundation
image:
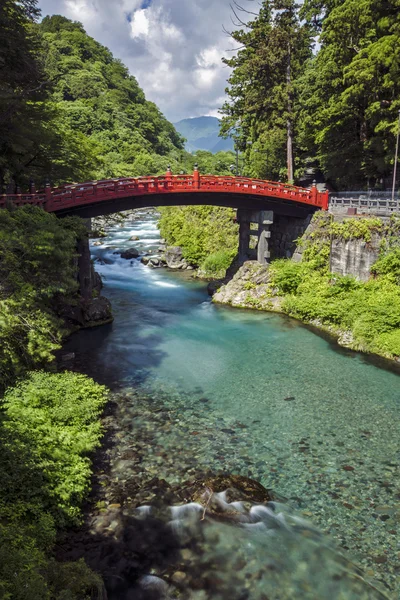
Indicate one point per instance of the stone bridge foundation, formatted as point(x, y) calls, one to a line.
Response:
point(264, 235)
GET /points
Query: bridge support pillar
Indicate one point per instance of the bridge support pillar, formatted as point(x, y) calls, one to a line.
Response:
point(254, 224)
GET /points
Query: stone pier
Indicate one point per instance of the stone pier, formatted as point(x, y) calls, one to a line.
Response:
point(264, 236)
point(254, 224)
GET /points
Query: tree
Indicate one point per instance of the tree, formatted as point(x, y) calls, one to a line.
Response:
point(22, 88)
point(275, 45)
point(346, 87)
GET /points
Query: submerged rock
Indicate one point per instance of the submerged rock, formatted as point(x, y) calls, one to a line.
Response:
point(130, 253)
point(237, 488)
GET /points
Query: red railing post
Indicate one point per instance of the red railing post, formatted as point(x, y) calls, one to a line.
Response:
point(47, 195)
point(314, 192)
point(325, 200)
point(168, 175)
point(196, 177)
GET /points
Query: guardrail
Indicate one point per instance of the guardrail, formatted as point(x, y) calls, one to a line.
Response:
point(366, 204)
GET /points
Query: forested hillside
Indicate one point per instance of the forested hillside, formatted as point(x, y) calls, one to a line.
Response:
point(69, 110)
point(332, 105)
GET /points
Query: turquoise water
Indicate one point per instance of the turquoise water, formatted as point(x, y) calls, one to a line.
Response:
point(255, 394)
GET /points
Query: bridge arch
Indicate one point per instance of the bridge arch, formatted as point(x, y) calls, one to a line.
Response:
point(257, 200)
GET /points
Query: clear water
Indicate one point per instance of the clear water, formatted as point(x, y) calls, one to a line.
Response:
point(256, 394)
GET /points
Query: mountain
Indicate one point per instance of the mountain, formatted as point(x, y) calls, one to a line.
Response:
point(201, 133)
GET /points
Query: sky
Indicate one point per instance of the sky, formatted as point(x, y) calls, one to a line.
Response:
point(173, 47)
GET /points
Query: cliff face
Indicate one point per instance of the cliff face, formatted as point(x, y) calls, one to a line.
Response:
point(354, 257)
point(91, 309)
point(250, 288)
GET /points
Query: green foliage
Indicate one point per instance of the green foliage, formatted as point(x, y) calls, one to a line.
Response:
point(200, 231)
point(358, 229)
point(216, 264)
point(369, 311)
point(100, 105)
point(69, 110)
point(286, 276)
point(49, 424)
point(274, 48)
point(37, 264)
point(355, 70)
point(340, 104)
point(59, 415)
point(388, 265)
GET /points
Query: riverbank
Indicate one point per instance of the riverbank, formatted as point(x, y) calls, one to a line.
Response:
point(255, 287)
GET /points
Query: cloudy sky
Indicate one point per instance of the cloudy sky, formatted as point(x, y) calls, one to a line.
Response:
point(173, 47)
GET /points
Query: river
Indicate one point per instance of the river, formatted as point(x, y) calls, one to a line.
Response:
point(251, 393)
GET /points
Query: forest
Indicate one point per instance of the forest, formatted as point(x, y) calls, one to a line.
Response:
point(315, 87)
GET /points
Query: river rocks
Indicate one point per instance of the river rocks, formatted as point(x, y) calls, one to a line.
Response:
point(130, 253)
point(134, 238)
point(145, 260)
point(174, 258)
point(98, 233)
point(213, 287)
point(216, 494)
point(97, 312)
point(155, 262)
point(250, 288)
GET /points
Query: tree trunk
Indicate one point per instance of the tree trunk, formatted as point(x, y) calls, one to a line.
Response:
point(290, 169)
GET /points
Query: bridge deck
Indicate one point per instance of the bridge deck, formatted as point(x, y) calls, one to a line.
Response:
point(70, 199)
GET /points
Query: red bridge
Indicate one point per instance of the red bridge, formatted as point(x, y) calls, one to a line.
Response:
point(114, 195)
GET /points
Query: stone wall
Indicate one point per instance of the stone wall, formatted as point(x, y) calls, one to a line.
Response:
point(284, 233)
point(354, 257)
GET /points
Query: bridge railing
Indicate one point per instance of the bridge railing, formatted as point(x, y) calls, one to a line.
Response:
point(22, 199)
point(365, 204)
point(90, 192)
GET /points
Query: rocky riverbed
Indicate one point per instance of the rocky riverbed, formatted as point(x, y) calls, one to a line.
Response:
point(201, 389)
point(164, 525)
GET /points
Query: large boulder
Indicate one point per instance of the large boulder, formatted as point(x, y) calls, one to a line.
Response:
point(130, 253)
point(97, 312)
point(174, 258)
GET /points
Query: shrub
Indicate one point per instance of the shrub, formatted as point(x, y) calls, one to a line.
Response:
point(57, 417)
point(216, 264)
point(199, 230)
point(286, 276)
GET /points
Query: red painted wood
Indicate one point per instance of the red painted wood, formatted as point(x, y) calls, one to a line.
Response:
point(73, 196)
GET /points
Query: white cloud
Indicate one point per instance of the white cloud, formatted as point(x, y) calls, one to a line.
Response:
point(173, 47)
point(139, 24)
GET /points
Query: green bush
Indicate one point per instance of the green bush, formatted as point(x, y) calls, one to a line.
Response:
point(388, 265)
point(286, 276)
point(49, 425)
point(217, 263)
point(37, 265)
point(59, 415)
point(200, 231)
point(371, 310)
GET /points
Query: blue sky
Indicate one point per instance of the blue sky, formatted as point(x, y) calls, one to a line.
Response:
point(173, 47)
